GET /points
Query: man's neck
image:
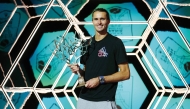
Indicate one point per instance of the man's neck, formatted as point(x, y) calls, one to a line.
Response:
point(99, 36)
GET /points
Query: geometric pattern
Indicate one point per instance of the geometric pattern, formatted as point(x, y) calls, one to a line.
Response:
point(155, 34)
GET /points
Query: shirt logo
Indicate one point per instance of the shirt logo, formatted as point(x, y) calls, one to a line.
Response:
point(102, 52)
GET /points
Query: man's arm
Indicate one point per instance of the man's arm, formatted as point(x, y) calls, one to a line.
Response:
point(122, 74)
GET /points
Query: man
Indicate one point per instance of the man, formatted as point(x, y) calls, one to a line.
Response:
point(105, 65)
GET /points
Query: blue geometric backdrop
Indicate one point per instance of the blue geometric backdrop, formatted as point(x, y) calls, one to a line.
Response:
point(156, 35)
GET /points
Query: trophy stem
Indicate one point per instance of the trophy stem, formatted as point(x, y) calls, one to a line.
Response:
point(78, 74)
point(80, 80)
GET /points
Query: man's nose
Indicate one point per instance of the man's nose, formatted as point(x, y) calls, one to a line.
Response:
point(99, 21)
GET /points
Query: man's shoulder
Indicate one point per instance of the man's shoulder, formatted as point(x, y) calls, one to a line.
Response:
point(113, 38)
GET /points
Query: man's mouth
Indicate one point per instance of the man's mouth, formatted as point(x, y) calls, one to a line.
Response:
point(99, 26)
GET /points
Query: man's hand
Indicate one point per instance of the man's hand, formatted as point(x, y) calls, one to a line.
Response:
point(74, 67)
point(92, 83)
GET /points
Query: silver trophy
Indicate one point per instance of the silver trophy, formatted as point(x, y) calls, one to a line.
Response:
point(70, 50)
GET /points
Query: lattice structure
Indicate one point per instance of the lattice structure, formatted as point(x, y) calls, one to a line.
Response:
point(156, 41)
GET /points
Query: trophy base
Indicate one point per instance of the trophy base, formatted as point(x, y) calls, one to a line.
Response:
point(80, 85)
point(81, 82)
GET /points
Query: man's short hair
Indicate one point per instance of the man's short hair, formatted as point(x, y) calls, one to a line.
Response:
point(101, 10)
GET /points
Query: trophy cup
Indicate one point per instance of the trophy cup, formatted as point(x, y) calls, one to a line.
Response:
point(71, 49)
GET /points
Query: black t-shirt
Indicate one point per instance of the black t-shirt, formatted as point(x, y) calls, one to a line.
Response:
point(102, 59)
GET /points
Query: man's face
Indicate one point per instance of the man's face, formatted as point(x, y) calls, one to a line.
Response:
point(100, 21)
